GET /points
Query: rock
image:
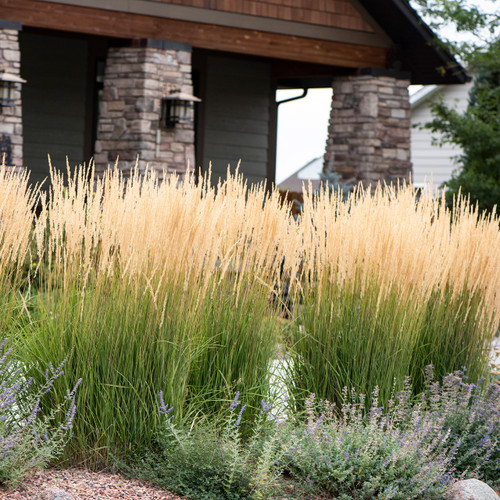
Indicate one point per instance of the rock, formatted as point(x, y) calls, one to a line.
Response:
point(53, 493)
point(470, 489)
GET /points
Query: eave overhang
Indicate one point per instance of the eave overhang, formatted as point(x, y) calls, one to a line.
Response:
point(416, 50)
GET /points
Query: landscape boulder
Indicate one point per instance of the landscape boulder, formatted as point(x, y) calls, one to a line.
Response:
point(471, 489)
point(53, 493)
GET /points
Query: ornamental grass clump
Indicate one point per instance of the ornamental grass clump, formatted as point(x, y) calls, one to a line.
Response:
point(153, 285)
point(389, 284)
point(161, 284)
point(17, 200)
point(30, 438)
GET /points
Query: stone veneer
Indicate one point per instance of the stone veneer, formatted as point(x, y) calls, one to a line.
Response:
point(369, 131)
point(130, 109)
point(11, 127)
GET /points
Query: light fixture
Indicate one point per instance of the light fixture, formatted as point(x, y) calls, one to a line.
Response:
point(177, 107)
point(8, 84)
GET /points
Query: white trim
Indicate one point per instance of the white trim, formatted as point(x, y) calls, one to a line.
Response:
point(422, 94)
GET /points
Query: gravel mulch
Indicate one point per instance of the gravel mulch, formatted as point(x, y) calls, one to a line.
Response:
point(85, 485)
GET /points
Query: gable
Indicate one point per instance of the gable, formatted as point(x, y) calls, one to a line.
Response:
point(333, 13)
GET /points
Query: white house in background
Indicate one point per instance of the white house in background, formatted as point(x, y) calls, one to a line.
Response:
point(430, 160)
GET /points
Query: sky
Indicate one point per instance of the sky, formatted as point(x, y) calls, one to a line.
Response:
point(303, 124)
point(302, 129)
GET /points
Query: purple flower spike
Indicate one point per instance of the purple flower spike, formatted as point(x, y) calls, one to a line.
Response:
point(238, 420)
point(163, 407)
point(265, 406)
point(235, 402)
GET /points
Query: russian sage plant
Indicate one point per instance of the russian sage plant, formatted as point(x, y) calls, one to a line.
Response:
point(208, 460)
point(471, 413)
point(412, 448)
point(28, 438)
point(358, 455)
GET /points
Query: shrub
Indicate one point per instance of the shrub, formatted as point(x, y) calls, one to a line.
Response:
point(28, 437)
point(476, 132)
point(471, 412)
point(353, 457)
point(412, 448)
point(211, 460)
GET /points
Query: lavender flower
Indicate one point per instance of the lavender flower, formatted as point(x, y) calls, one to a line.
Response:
point(238, 420)
point(21, 445)
point(235, 402)
point(265, 407)
point(163, 407)
point(70, 415)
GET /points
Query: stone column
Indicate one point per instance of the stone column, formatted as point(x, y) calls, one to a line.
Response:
point(369, 130)
point(129, 114)
point(11, 127)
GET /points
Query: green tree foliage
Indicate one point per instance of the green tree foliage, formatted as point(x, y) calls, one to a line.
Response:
point(477, 129)
point(477, 132)
point(465, 27)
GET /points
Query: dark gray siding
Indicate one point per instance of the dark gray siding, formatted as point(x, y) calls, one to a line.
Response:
point(236, 116)
point(54, 101)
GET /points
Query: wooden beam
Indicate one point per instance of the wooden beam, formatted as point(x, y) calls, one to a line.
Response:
point(209, 36)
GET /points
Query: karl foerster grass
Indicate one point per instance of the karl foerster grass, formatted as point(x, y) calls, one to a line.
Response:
point(17, 200)
point(151, 281)
point(155, 286)
point(390, 284)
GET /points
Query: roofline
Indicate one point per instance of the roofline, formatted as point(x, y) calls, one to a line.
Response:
point(296, 172)
point(308, 163)
point(415, 46)
point(422, 94)
point(430, 37)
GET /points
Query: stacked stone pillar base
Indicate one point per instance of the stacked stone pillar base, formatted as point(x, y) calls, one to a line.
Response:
point(11, 127)
point(129, 126)
point(369, 130)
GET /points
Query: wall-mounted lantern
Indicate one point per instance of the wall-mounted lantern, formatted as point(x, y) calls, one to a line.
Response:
point(177, 107)
point(8, 84)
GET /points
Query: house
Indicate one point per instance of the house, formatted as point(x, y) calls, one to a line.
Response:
point(310, 172)
point(99, 75)
point(431, 161)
